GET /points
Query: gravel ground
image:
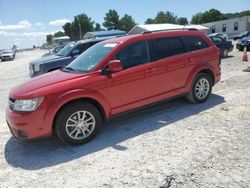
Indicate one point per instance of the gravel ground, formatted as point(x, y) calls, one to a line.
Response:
point(172, 144)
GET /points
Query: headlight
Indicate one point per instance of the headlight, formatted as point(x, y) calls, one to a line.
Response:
point(37, 68)
point(27, 105)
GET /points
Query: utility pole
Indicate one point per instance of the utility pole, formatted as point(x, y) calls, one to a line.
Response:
point(80, 30)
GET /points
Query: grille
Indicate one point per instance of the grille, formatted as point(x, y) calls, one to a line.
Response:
point(11, 103)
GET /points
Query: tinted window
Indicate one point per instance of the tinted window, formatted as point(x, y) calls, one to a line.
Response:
point(194, 43)
point(216, 39)
point(65, 51)
point(134, 54)
point(224, 28)
point(213, 29)
point(167, 47)
point(236, 24)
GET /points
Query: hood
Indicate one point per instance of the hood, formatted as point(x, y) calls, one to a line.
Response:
point(44, 80)
point(47, 59)
point(5, 54)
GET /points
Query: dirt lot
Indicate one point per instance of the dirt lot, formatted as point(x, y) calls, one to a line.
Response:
point(175, 143)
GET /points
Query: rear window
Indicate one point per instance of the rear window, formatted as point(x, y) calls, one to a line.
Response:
point(193, 43)
point(166, 47)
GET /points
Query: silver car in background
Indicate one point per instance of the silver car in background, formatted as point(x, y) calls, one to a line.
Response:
point(7, 55)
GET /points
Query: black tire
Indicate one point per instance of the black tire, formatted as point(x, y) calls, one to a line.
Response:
point(193, 96)
point(64, 116)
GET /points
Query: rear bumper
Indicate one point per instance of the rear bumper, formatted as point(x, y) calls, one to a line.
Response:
point(242, 46)
point(217, 77)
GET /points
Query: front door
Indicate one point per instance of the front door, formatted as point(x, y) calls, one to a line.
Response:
point(130, 87)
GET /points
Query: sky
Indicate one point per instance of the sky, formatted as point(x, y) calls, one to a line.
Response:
point(27, 22)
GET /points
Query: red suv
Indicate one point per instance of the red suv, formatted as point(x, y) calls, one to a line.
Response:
point(111, 77)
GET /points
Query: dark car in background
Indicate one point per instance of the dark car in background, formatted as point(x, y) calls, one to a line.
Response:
point(222, 35)
point(225, 46)
point(243, 43)
point(241, 35)
point(62, 58)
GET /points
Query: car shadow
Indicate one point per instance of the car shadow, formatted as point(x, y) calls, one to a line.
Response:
point(229, 56)
point(38, 154)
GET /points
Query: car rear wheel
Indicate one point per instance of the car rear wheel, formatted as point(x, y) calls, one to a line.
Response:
point(201, 88)
point(78, 123)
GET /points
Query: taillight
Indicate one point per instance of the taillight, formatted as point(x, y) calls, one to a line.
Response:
point(218, 54)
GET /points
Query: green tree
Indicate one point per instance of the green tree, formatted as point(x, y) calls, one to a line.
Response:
point(165, 17)
point(126, 23)
point(150, 21)
point(49, 39)
point(59, 34)
point(245, 13)
point(67, 29)
point(211, 16)
point(182, 21)
point(97, 27)
point(111, 20)
point(81, 24)
point(196, 19)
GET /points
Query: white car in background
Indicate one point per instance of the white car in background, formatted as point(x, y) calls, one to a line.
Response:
point(7, 55)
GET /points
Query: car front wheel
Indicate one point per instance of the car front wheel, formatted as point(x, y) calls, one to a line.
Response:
point(78, 123)
point(201, 88)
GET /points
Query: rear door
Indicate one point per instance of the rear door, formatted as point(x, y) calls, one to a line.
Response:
point(172, 69)
point(197, 49)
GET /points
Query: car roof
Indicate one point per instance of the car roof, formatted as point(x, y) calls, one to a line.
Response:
point(92, 40)
point(153, 34)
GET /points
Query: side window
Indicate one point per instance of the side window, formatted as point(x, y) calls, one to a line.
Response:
point(236, 25)
point(134, 54)
point(167, 47)
point(224, 28)
point(217, 39)
point(193, 43)
point(83, 47)
point(77, 50)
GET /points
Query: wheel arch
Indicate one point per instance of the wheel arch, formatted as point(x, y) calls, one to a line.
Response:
point(92, 101)
point(205, 68)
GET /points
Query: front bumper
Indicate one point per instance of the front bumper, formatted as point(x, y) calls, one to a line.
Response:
point(26, 125)
point(6, 57)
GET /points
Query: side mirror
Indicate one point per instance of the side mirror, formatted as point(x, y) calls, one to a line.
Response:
point(115, 66)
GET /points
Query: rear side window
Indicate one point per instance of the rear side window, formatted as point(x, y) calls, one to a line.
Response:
point(216, 39)
point(134, 54)
point(166, 47)
point(193, 43)
point(84, 46)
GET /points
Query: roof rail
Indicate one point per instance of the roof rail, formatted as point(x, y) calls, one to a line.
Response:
point(181, 29)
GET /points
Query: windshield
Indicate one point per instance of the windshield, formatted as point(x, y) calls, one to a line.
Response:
point(91, 57)
point(65, 51)
point(6, 52)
